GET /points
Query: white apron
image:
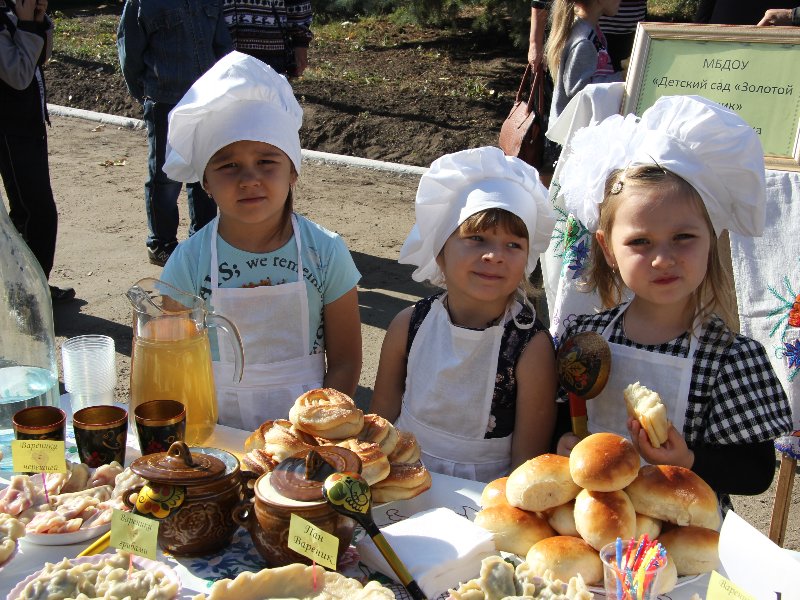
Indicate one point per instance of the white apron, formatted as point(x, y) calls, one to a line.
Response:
point(669, 376)
point(273, 323)
point(448, 410)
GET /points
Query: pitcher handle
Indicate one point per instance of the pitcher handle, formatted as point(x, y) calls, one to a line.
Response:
point(226, 325)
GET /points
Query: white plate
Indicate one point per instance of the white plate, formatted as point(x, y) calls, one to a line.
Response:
point(682, 580)
point(139, 562)
point(62, 539)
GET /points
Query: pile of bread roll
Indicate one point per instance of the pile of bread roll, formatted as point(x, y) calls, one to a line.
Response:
point(558, 512)
point(390, 459)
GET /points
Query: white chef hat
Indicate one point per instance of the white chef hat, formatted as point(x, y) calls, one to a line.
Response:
point(467, 182)
point(239, 98)
point(709, 146)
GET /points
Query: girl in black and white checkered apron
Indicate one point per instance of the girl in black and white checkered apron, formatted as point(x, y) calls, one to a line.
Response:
point(671, 182)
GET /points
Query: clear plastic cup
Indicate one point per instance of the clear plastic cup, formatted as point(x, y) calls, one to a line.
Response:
point(90, 371)
point(622, 583)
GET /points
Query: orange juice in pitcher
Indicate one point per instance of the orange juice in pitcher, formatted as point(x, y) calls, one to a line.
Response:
point(171, 357)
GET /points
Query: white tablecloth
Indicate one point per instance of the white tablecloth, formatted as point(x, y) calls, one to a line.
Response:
point(197, 574)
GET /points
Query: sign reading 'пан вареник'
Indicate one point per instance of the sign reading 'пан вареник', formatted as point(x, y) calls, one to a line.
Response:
point(754, 71)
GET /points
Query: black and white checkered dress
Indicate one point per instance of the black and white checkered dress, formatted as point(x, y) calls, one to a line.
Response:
point(735, 397)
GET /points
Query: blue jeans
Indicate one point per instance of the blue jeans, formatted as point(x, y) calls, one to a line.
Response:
point(161, 193)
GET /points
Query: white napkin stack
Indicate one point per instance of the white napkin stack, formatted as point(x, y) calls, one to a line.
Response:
point(438, 547)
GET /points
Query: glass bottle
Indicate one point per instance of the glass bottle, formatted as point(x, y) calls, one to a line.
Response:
point(28, 368)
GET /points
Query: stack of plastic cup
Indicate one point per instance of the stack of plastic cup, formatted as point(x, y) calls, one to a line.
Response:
point(90, 373)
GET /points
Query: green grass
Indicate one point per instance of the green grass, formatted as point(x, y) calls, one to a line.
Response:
point(92, 40)
point(680, 11)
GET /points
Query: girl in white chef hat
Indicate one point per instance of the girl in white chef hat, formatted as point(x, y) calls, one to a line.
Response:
point(287, 283)
point(656, 198)
point(471, 371)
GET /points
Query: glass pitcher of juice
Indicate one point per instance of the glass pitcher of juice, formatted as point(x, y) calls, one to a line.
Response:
point(171, 356)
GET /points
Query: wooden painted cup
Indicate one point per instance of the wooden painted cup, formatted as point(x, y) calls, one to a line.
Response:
point(100, 434)
point(39, 423)
point(159, 423)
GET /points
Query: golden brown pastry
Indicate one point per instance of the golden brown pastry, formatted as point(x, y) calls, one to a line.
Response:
point(603, 462)
point(327, 413)
point(374, 463)
point(406, 450)
point(379, 431)
point(565, 556)
point(562, 519)
point(279, 438)
point(541, 483)
point(694, 550)
point(514, 530)
point(602, 517)
point(647, 526)
point(674, 494)
point(494, 493)
point(259, 461)
point(404, 481)
point(645, 405)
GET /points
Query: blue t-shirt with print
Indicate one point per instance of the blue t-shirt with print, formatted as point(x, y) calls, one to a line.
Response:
point(328, 269)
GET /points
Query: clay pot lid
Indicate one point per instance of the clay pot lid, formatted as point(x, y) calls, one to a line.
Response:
point(179, 466)
point(300, 477)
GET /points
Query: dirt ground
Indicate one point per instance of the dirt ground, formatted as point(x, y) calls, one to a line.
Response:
point(399, 93)
point(101, 249)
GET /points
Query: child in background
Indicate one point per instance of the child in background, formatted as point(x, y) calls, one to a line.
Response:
point(656, 199)
point(576, 50)
point(288, 284)
point(471, 371)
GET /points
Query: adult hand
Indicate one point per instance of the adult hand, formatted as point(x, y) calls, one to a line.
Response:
point(39, 10)
point(25, 9)
point(776, 16)
point(672, 452)
point(566, 443)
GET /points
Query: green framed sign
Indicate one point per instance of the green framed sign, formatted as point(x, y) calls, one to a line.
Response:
point(754, 71)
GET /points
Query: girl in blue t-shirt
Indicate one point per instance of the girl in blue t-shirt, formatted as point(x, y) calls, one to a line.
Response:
point(288, 284)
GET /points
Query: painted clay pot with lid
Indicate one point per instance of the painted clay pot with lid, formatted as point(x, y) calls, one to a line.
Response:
point(213, 484)
point(295, 486)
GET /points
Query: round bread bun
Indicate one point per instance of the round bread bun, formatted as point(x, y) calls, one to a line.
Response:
point(565, 556)
point(674, 494)
point(494, 493)
point(647, 526)
point(403, 482)
point(514, 530)
point(602, 517)
point(603, 462)
point(667, 579)
point(694, 550)
point(406, 449)
point(541, 483)
point(562, 519)
point(281, 439)
point(327, 413)
point(374, 464)
point(379, 431)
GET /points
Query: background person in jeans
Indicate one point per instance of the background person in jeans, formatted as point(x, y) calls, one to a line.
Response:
point(164, 46)
point(25, 44)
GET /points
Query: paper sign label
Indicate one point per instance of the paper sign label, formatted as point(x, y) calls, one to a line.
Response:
point(134, 533)
point(313, 542)
point(721, 588)
point(38, 456)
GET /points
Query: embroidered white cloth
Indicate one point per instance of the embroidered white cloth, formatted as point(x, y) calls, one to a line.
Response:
point(438, 547)
point(564, 260)
point(767, 273)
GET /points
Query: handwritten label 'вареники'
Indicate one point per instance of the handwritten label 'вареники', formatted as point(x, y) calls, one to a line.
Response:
point(134, 533)
point(312, 542)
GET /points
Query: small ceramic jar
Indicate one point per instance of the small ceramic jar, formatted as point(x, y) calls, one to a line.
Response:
point(213, 484)
point(293, 488)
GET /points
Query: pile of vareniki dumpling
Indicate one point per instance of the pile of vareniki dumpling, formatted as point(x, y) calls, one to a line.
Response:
point(500, 580)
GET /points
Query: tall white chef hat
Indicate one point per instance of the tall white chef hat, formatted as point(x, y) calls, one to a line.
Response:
point(709, 146)
point(464, 183)
point(239, 98)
